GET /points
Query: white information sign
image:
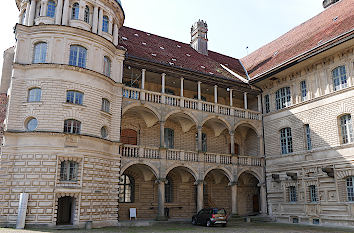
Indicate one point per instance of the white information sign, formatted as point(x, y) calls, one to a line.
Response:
point(22, 209)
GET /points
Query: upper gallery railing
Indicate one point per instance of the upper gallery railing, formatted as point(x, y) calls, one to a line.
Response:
point(143, 152)
point(183, 102)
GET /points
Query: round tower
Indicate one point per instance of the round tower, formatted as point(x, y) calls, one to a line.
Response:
point(62, 127)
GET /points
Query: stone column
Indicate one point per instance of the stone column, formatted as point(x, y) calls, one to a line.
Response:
point(162, 134)
point(44, 8)
point(199, 90)
point(161, 199)
point(95, 19)
point(143, 71)
point(182, 82)
point(259, 98)
point(66, 13)
point(200, 141)
point(32, 13)
point(216, 94)
point(110, 25)
point(232, 142)
point(200, 194)
point(245, 100)
point(234, 198)
point(27, 13)
point(100, 22)
point(58, 12)
point(82, 5)
point(263, 197)
point(115, 34)
point(231, 98)
point(163, 77)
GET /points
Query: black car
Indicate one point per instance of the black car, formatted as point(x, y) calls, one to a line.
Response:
point(210, 217)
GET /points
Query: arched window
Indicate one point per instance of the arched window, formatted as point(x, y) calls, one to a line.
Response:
point(34, 95)
point(168, 190)
point(169, 138)
point(126, 189)
point(51, 9)
point(339, 78)
point(105, 24)
point(104, 132)
point(346, 128)
point(68, 170)
point(87, 15)
point(107, 66)
point(72, 126)
point(74, 97)
point(75, 11)
point(286, 141)
point(78, 56)
point(31, 124)
point(283, 98)
point(40, 52)
point(129, 137)
point(350, 188)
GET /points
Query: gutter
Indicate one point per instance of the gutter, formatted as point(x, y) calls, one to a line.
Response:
point(305, 55)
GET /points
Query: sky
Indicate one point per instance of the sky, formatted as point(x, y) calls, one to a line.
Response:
point(233, 24)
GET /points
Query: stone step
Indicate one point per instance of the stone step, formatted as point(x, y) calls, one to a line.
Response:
point(260, 219)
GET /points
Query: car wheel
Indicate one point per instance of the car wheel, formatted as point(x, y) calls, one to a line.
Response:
point(194, 221)
point(224, 225)
point(208, 223)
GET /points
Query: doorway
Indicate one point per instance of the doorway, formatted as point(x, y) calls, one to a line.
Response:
point(65, 210)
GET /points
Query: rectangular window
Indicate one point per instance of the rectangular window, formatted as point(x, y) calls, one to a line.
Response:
point(34, 95)
point(308, 137)
point(74, 97)
point(283, 98)
point(339, 78)
point(68, 170)
point(169, 138)
point(346, 129)
point(286, 141)
point(350, 188)
point(292, 194)
point(303, 90)
point(313, 193)
point(266, 103)
point(105, 105)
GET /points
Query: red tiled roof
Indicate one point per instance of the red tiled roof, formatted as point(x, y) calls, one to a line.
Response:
point(177, 54)
point(334, 21)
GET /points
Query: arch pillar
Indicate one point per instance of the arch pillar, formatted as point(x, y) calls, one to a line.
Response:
point(200, 194)
point(233, 198)
point(161, 199)
point(263, 195)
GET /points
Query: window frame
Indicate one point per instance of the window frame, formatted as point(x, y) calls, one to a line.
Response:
point(51, 8)
point(74, 97)
point(350, 188)
point(69, 171)
point(308, 141)
point(34, 94)
point(292, 194)
point(346, 129)
point(104, 132)
point(303, 89)
point(107, 66)
point(339, 78)
point(105, 105)
point(105, 24)
point(169, 136)
point(283, 98)
point(313, 194)
point(72, 126)
point(28, 123)
point(267, 103)
point(78, 56)
point(75, 11)
point(286, 143)
point(87, 14)
point(40, 52)
point(125, 192)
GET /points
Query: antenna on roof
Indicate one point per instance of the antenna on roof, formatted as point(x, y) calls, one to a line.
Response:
point(247, 50)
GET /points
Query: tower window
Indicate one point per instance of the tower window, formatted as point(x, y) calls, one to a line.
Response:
point(105, 105)
point(40, 52)
point(68, 170)
point(78, 56)
point(75, 11)
point(51, 9)
point(104, 132)
point(87, 15)
point(34, 95)
point(339, 78)
point(31, 124)
point(105, 24)
point(107, 66)
point(72, 126)
point(74, 97)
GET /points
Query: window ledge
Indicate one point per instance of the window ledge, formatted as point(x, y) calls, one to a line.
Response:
point(39, 103)
point(70, 105)
point(107, 114)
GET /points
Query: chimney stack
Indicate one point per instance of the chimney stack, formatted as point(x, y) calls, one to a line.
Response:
point(199, 38)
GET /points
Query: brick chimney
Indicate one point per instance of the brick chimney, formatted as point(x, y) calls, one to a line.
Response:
point(199, 38)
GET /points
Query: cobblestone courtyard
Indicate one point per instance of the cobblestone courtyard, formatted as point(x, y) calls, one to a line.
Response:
point(186, 227)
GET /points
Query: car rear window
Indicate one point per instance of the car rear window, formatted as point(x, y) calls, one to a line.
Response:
point(219, 211)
